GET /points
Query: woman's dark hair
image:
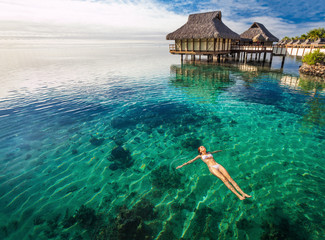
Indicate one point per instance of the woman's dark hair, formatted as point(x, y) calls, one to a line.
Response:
point(199, 150)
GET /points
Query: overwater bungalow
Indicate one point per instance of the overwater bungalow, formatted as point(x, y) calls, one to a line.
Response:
point(282, 42)
point(257, 34)
point(298, 42)
point(203, 34)
point(300, 47)
point(290, 42)
point(320, 42)
point(307, 42)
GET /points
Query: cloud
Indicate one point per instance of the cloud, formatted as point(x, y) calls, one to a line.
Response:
point(107, 19)
point(139, 19)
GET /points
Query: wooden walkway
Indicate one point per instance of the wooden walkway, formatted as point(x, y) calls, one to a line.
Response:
point(239, 53)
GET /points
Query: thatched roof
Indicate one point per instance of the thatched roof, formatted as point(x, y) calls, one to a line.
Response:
point(307, 42)
point(283, 42)
point(300, 41)
point(203, 25)
point(294, 42)
point(259, 38)
point(258, 29)
point(319, 41)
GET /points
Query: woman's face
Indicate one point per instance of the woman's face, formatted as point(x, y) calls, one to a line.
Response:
point(202, 149)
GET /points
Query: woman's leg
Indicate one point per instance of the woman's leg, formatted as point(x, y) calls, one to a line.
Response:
point(226, 174)
point(225, 181)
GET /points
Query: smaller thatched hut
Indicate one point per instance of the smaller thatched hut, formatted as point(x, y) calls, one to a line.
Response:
point(282, 42)
point(257, 34)
point(320, 42)
point(307, 42)
point(290, 42)
point(298, 42)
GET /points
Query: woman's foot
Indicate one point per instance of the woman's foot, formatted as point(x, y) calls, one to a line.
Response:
point(246, 195)
point(241, 197)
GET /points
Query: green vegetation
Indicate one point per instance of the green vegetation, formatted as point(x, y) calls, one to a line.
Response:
point(312, 34)
point(314, 57)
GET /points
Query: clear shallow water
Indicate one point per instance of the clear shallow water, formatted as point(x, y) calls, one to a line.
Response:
point(103, 126)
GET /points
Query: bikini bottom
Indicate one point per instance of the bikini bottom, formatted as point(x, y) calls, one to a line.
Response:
point(216, 166)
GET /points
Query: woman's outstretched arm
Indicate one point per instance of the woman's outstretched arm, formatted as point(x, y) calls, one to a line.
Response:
point(216, 151)
point(189, 162)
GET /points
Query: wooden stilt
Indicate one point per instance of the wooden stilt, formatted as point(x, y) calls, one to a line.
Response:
point(282, 64)
point(264, 57)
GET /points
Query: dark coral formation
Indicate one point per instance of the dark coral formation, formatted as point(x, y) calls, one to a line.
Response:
point(38, 220)
point(121, 157)
point(125, 224)
point(165, 177)
point(191, 143)
point(145, 209)
point(153, 115)
point(86, 217)
point(68, 220)
point(279, 225)
point(74, 151)
point(96, 141)
point(113, 167)
point(130, 223)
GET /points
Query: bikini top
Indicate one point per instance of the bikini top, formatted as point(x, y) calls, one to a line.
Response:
point(209, 155)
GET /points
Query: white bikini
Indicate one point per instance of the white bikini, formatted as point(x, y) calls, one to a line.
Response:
point(209, 155)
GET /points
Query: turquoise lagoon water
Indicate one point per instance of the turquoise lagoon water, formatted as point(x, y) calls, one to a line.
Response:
point(91, 134)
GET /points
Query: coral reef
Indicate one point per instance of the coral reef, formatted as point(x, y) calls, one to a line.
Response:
point(191, 143)
point(113, 167)
point(121, 157)
point(278, 225)
point(86, 217)
point(38, 220)
point(130, 223)
point(96, 141)
point(74, 151)
point(165, 177)
point(68, 220)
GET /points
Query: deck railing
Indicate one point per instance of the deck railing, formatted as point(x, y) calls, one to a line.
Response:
point(172, 47)
point(251, 48)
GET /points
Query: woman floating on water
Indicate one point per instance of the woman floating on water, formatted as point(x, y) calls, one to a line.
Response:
point(218, 170)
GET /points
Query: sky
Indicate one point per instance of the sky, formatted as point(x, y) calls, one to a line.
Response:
point(149, 20)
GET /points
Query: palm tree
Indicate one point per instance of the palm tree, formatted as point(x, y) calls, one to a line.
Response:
point(303, 36)
point(316, 33)
point(285, 38)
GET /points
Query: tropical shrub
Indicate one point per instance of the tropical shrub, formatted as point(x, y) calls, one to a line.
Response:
point(314, 57)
